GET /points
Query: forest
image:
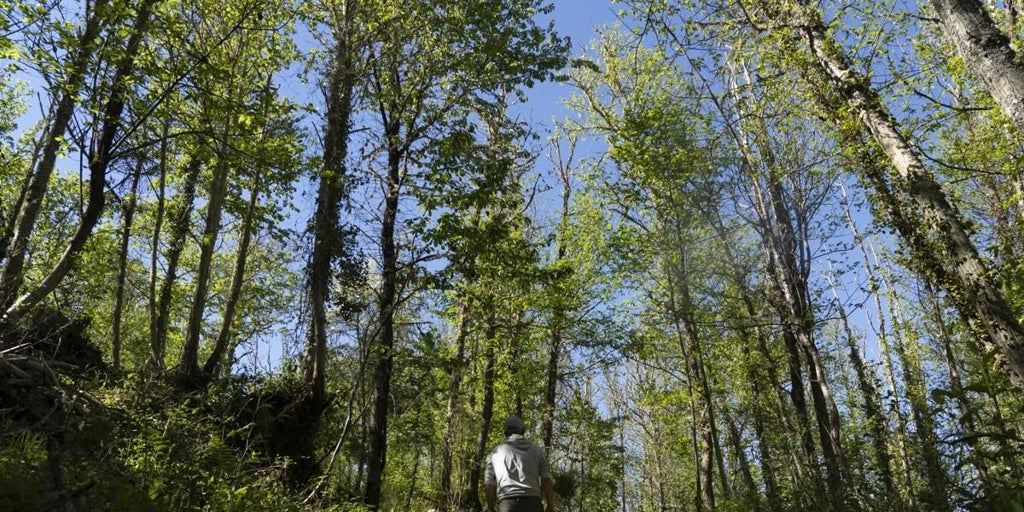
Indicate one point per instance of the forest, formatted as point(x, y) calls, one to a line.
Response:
point(308, 255)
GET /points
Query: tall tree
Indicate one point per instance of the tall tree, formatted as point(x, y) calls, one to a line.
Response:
point(237, 74)
point(915, 203)
point(101, 148)
point(332, 241)
point(427, 66)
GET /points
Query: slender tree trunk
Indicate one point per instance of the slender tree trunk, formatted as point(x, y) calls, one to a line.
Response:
point(156, 356)
point(681, 315)
point(361, 465)
point(1006, 451)
point(9, 212)
point(99, 161)
point(940, 245)
point(476, 469)
point(780, 249)
point(623, 487)
point(966, 417)
point(384, 351)
point(189, 363)
point(934, 496)
point(888, 373)
point(412, 480)
point(706, 387)
point(557, 314)
point(781, 304)
point(791, 283)
point(328, 237)
point(868, 387)
point(179, 230)
point(867, 380)
point(220, 349)
point(767, 459)
point(551, 382)
point(446, 501)
point(740, 460)
point(797, 394)
point(122, 264)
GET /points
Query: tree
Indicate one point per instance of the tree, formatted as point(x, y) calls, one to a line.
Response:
point(426, 65)
point(915, 203)
point(101, 149)
point(332, 240)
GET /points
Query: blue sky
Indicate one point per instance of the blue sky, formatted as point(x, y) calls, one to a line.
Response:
point(579, 20)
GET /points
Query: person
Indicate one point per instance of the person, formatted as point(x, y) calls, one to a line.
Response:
point(517, 473)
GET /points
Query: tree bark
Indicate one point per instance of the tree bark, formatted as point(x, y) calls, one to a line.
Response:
point(934, 495)
point(739, 455)
point(383, 353)
point(868, 387)
point(156, 358)
point(557, 316)
point(189, 362)
point(680, 311)
point(788, 299)
point(179, 230)
point(454, 390)
point(476, 468)
point(987, 52)
point(792, 268)
point(966, 417)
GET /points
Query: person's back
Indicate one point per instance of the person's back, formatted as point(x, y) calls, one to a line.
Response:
point(517, 473)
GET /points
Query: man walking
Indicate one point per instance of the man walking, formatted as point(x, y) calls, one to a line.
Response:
point(517, 473)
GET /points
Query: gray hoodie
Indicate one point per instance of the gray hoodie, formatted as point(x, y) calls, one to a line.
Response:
point(516, 466)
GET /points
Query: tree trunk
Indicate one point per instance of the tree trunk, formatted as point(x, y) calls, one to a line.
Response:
point(867, 382)
point(873, 413)
point(934, 496)
point(328, 238)
point(56, 482)
point(966, 417)
point(779, 246)
point(179, 231)
point(551, 382)
point(383, 353)
point(189, 363)
point(783, 300)
point(681, 315)
point(156, 350)
point(739, 455)
point(557, 316)
point(476, 469)
point(790, 280)
point(122, 264)
point(767, 459)
point(447, 499)
point(220, 353)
